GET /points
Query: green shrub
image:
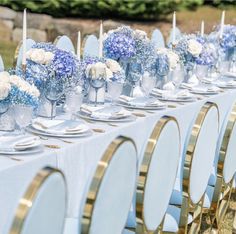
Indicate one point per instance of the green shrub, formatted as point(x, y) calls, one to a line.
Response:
point(126, 9)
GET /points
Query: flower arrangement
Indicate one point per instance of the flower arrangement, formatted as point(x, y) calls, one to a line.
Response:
point(125, 44)
point(162, 64)
point(228, 40)
point(188, 48)
point(173, 57)
point(207, 56)
point(115, 69)
point(15, 90)
point(43, 58)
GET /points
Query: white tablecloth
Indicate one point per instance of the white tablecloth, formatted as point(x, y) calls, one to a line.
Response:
point(78, 161)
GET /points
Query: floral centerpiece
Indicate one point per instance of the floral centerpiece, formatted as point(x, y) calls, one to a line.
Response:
point(189, 49)
point(15, 91)
point(42, 60)
point(98, 72)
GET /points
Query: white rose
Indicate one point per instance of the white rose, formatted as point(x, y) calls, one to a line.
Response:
point(37, 55)
point(48, 57)
point(4, 77)
point(194, 47)
point(113, 65)
point(162, 50)
point(14, 80)
point(98, 70)
point(140, 34)
point(109, 73)
point(4, 90)
point(173, 59)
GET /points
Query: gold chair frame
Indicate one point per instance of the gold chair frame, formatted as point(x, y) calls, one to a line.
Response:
point(97, 180)
point(188, 207)
point(26, 202)
point(222, 192)
point(142, 179)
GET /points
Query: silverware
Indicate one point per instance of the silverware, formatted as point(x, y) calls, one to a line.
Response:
point(12, 158)
point(98, 130)
point(138, 114)
point(96, 122)
point(52, 146)
point(57, 138)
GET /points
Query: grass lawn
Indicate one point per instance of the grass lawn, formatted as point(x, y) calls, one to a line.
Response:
point(7, 51)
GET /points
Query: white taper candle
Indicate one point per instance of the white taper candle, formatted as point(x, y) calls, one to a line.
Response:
point(174, 28)
point(24, 35)
point(222, 24)
point(100, 40)
point(202, 28)
point(78, 45)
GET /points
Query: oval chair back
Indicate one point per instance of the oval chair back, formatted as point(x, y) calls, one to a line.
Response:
point(2, 68)
point(19, 52)
point(178, 35)
point(42, 209)
point(91, 46)
point(157, 175)
point(111, 190)
point(64, 43)
point(198, 164)
point(158, 39)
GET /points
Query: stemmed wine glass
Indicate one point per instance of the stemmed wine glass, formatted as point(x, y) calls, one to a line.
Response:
point(97, 83)
point(148, 81)
point(54, 89)
point(177, 76)
point(4, 106)
point(74, 100)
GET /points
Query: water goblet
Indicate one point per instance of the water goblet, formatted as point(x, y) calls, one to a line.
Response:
point(4, 106)
point(114, 89)
point(73, 102)
point(54, 89)
point(177, 76)
point(97, 84)
point(23, 116)
point(148, 82)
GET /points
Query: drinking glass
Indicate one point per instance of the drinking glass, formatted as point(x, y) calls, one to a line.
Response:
point(23, 116)
point(4, 106)
point(177, 76)
point(73, 102)
point(114, 90)
point(97, 84)
point(148, 82)
point(54, 89)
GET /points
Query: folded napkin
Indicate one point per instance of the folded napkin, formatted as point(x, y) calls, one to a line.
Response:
point(13, 143)
point(140, 101)
point(229, 74)
point(193, 81)
point(105, 112)
point(177, 94)
point(226, 83)
point(211, 88)
point(169, 86)
point(59, 126)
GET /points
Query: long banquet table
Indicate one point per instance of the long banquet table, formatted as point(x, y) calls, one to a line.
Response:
point(78, 161)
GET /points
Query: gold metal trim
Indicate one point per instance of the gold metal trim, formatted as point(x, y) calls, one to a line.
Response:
point(97, 180)
point(141, 186)
point(17, 53)
point(27, 201)
point(188, 207)
point(223, 190)
point(56, 40)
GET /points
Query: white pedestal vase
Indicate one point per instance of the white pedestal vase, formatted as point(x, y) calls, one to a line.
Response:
point(44, 109)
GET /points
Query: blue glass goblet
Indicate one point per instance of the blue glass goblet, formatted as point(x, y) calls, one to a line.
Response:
point(97, 84)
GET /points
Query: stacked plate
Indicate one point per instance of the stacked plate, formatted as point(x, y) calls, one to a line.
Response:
point(205, 89)
point(174, 95)
point(20, 144)
point(59, 128)
point(105, 113)
point(142, 103)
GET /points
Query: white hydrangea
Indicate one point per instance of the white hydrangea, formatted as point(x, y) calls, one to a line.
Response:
point(39, 56)
point(4, 77)
point(24, 86)
point(194, 47)
point(172, 57)
point(113, 65)
point(5, 88)
point(97, 71)
point(140, 34)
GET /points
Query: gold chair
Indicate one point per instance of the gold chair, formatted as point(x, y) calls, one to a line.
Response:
point(226, 169)
point(157, 176)
point(111, 190)
point(42, 209)
point(192, 197)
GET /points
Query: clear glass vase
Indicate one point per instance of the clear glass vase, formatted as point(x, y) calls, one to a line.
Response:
point(44, 108)
point(7, 121)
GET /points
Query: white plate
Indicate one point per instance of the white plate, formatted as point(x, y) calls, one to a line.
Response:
point(139, 107)
point(26, 147)
point(89, 117)
point(83, 134)
point(179, 99)
point(207, 92)
point(30, 151)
